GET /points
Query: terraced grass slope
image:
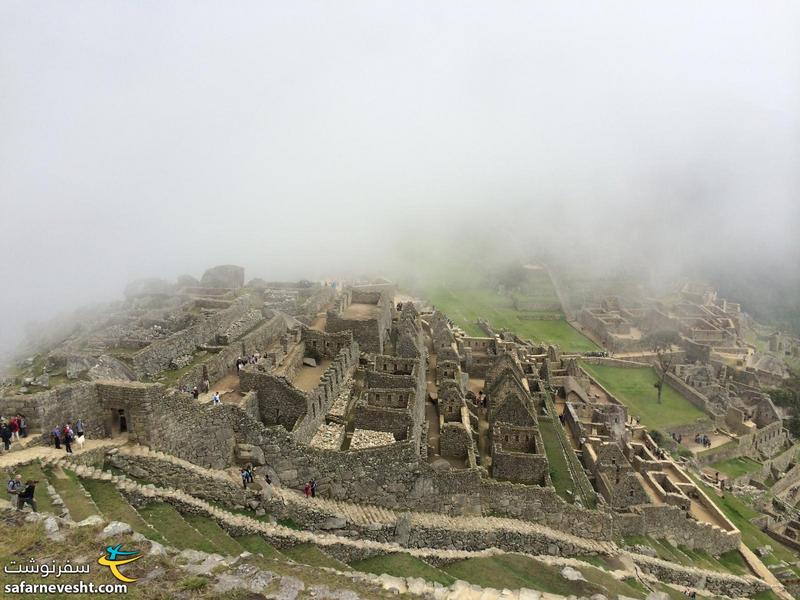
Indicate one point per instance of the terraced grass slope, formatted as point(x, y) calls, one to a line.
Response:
point(113, 507)
point(211, 530)
point(174, 529)
point(309, 554)
point(72, 493)
point(636, 389)
point(466, 305)
point(516, 571)
point(403, 565)
point(736, 467)
point(258, 545)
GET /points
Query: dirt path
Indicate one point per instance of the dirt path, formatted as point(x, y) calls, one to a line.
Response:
point(9, 459)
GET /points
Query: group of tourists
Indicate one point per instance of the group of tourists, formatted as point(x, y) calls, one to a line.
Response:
point(250, 359)
point(66, 435)
point(702, 439)
point(20, 494)
point(248, 473)
point(310, 488)
point(11, 430)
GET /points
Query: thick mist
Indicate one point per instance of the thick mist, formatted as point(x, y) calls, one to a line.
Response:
point(304, 139)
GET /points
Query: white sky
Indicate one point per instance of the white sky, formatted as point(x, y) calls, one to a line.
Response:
point(155, 138)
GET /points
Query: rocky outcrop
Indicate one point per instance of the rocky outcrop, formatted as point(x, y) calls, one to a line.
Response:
point(223, 276)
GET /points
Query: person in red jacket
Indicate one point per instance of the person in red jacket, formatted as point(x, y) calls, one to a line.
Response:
point(13, 424)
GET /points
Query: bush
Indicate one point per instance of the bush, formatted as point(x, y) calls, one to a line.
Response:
point(194, 583)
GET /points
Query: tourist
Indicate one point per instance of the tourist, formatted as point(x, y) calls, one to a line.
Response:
point(68, 437)
point(307, 489)
point(13, 488)
point(55, 435)
point(195, 393)
point(13, 425)
point(26, 495)
point(215, 399)
point(5, 434)
point(206, 386)
point(79, 428)
point(23, 426)
point(244, 475)
point(313, 488)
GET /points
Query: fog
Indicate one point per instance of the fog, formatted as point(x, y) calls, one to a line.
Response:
point(301, 139)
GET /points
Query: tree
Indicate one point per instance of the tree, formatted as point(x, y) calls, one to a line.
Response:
point(661, 342)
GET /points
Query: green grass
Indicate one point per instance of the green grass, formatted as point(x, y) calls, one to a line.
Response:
point(115, 508)
point(402, 565)
point(217, 535)
point(559, 470)
point(34, 471)
point(634, 388)
point(170, 524)
point(73, 495)
point(258, 545)
point(736, 467)
point(466, 305)
point(514, 571)
point(309, 554)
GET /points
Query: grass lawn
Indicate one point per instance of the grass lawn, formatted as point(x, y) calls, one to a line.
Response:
point(169, 523)
point(514, 571)
point(210, 529)
point(736, 467)
point(115, 508)
point(73, 495)
point(402, 565)
point(309, 554)
point(258, 545)
point(559, 471)
point(465, 306)
point(634, 388)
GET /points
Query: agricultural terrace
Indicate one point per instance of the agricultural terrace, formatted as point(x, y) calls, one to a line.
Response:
point(635, 387)
point(532, 313)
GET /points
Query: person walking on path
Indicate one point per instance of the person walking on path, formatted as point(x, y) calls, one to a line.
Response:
point(13, 425)
point(26, 495)
point(215, 399)
point(68, 438)
point(13, 488)
point(244, 475)
point(56, 435)
point(23, 426)
point(195, 393)
point(79, 428)
point(5, 434)
point(307, 489)
point(313, 488)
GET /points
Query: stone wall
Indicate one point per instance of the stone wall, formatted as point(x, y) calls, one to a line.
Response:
point(221, 363)
point(157, 357)
point(454, 440)
point(45, 410)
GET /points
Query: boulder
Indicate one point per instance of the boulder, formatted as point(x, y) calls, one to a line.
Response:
point(309, 362)
point(571, 574)
point(223, 276)
point(51, 529)
point(90, 521)
point(114, 529)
